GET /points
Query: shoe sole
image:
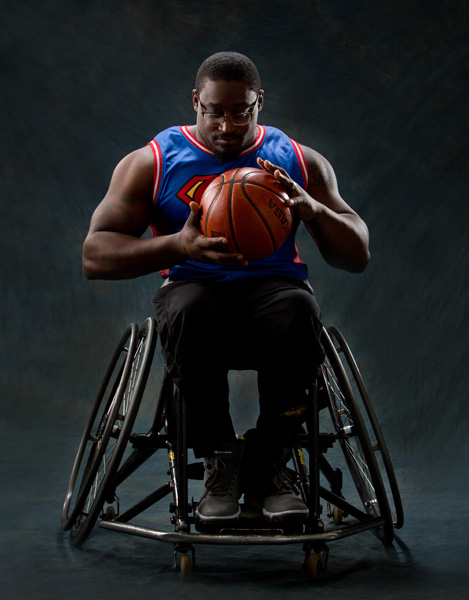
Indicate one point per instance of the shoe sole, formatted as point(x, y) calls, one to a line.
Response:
point(214, 519)
point(291, 515)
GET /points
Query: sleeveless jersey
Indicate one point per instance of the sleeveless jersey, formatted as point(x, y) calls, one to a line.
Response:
point(184, 167)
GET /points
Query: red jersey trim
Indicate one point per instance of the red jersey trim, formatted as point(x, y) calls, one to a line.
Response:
point(261, 133)
point(296, 258)
point(158, 159)
point(301, 161)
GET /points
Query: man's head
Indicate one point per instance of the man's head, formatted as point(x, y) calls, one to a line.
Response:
point(230, 66)
point(227, 98)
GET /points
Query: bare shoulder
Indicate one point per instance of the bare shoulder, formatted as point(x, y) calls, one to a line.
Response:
point(136, 169)
point(128, 203)
point(320, 171)
point(142, 156)
point(322, 182)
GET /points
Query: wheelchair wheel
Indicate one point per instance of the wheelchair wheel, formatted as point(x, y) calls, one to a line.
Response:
point(354, 441)
point(99, 426)
point(371, 422)
point(107, 431)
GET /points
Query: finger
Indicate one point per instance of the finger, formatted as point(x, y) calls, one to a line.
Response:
point(279, 173)
point(266, 165)
point(216, 243)
point(217, 250)
point(285, 180)
point(212, 242)
point(194, 215)
point(292, 202)
point(274, 168)
point(229, 259)
point(223, 257)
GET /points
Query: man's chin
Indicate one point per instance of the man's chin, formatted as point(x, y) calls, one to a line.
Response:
point(227, 152)
point(225, 155)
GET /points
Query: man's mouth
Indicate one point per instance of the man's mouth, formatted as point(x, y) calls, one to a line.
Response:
point(226, 139)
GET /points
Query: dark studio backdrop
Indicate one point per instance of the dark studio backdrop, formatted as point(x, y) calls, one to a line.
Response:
point(380, 89)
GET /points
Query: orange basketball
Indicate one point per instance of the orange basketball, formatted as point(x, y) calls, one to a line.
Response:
point(247, 206)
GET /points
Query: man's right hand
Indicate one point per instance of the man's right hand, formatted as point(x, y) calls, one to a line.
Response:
point(198, 247)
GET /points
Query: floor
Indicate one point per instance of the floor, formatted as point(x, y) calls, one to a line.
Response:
point(428, 559)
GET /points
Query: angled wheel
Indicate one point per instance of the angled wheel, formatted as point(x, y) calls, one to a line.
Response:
point(107, 431)
point(373, 428)
point(354, 441)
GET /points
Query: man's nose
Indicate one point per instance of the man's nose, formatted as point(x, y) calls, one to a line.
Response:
point(227, 126)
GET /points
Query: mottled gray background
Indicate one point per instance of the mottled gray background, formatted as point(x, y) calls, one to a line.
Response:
point(380, 89)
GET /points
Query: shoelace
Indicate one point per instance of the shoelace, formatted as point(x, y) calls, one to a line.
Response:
point(285, 485)
point(221, 480)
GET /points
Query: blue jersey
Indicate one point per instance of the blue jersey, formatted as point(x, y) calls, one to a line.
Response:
point(184, 167)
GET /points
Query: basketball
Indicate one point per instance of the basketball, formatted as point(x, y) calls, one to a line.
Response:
point(247, 206)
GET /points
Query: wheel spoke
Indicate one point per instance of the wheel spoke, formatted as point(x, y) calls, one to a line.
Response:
point(358, 450)
point(112, 417)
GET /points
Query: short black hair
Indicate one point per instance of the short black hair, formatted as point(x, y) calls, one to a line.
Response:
point(228, 66)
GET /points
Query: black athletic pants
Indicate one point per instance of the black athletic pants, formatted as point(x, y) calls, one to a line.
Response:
point(267, 324)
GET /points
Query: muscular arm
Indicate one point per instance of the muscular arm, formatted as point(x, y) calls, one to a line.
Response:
point(114, 249)
point(340, 234)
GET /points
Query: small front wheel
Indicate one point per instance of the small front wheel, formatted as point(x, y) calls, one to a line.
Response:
point(110, 513)
point(185, 567)
point(313, 566)
point(338, 515)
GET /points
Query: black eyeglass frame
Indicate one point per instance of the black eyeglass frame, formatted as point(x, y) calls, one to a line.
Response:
point(216, 120)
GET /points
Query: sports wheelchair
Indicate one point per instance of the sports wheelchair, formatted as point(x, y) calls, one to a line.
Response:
point(340, 465)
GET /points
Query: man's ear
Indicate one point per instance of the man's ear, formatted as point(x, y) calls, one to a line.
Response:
point(260, 101)
point(195, 100)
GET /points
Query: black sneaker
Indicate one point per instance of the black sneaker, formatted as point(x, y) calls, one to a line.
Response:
point(220, 490)
point(266, 482)
point(283, 502)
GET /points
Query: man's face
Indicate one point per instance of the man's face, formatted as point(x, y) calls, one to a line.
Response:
point(226, 98)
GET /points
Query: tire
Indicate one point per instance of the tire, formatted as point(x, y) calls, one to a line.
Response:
point(107, 431)
point(354, 441)
point(371, 421)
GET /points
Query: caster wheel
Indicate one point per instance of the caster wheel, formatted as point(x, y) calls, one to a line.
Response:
point(110, 513)
point(313, 566)
point(185, 567)
point(338, 515)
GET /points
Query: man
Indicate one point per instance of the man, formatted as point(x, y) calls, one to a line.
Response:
point(215, 310)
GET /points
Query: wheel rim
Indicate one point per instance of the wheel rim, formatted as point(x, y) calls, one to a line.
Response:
point(372, 425)
point(95, 431)
point(354, 441)
point(110, 446)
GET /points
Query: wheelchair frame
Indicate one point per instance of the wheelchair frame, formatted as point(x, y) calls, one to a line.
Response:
point(110, 452)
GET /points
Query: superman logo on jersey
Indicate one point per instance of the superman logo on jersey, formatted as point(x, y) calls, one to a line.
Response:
point(193, 190)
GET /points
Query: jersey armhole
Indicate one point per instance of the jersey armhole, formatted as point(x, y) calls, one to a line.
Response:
point(158, 168)
point(301, 161)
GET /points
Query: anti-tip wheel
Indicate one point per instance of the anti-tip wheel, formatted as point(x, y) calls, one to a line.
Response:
point(110, 513)
point(185, 567)
point(338, 515)
point(313, 566)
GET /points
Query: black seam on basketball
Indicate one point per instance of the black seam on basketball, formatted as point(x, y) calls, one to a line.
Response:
point(230, 211)
point(260, 185)
point(213, 202)
point(261, 216)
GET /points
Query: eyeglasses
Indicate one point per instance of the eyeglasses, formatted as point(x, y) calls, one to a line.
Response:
point(215, 119)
